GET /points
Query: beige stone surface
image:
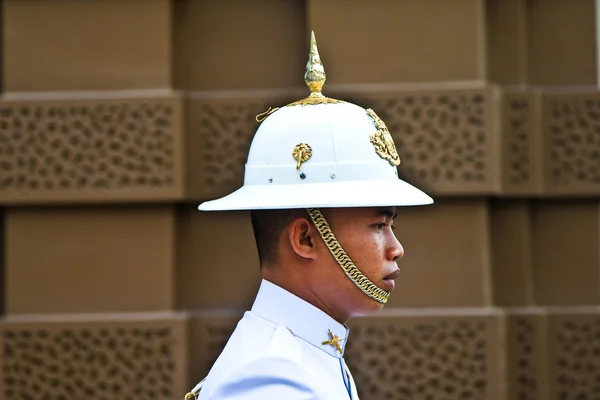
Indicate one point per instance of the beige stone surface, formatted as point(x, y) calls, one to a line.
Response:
point(446, 139)
point(239, 44)
point(521, 138)
point(101, 356)
point(218, 136)
point(427, 356)
point(400, 41)
point(561, 42)
point(95, 150)
point(89, 45)
point(489, 354)
point(533, 256)
point(527, 362)
point(447, 256)
point(571, 147)
point(417, 355)
point(573, 362)
point(209, 332)
point(511, 255)
point(532, 42)
point(566, 256)
point(217, 261)
point(506, 27)
point(98, 259)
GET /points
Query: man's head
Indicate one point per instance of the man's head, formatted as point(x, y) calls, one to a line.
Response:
point(333, 165)
point(294, 255)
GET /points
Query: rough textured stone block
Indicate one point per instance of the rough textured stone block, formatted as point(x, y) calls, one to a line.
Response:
point(101, 357)
point(65, 151)
point(570, 124)
point(426, 357)
point(574, 355)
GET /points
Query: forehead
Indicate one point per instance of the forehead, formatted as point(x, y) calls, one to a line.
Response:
point(364, 212)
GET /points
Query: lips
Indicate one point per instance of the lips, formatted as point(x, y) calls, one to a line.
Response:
point(393, 275)
point(388, 280)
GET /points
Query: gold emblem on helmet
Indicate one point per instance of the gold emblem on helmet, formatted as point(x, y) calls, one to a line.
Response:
point(382, 140)
point(301, 153)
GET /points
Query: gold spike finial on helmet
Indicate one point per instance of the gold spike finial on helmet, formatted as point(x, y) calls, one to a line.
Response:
point(314, 78)
point(315, 72)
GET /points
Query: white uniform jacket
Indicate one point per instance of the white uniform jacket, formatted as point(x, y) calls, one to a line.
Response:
point(277, 352)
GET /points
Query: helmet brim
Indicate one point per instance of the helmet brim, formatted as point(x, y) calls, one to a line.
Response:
point(320, 195)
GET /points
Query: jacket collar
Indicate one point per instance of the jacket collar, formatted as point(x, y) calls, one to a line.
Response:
point(304, 320)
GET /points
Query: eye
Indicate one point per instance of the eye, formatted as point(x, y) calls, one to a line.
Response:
point(379, 226)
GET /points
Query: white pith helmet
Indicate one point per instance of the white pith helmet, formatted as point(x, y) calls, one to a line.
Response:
point(320, 152)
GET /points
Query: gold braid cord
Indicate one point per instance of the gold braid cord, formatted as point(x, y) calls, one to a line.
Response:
point(363, 283)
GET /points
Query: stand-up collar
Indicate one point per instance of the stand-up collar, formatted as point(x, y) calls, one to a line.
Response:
point(304, 320)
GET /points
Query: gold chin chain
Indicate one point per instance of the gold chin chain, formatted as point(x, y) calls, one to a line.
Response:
point(363, 283)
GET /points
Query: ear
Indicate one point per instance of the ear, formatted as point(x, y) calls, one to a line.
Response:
point(301, 235)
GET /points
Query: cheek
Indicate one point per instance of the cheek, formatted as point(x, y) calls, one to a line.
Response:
point(367, 252)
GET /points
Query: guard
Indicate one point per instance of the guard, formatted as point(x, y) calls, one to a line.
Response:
point(321, 182)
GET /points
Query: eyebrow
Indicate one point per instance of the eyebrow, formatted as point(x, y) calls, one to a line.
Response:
point(387, 212)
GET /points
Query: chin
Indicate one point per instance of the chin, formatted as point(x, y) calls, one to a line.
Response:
point(368, 308)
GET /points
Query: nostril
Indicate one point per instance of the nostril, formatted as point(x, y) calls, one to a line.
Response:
point(397, 253)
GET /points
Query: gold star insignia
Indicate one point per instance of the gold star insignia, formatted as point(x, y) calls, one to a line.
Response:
point(334, 340)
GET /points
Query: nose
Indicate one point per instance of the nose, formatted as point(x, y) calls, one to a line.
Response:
point(395, 251)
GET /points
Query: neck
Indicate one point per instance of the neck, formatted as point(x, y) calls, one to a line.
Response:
point(298, 287)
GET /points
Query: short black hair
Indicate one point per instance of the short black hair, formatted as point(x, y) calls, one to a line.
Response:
point(268, 225)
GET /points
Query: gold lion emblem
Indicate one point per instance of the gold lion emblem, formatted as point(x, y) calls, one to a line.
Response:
point(382, 140)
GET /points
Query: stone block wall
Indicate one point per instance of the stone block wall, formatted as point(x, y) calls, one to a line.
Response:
point(118, 117)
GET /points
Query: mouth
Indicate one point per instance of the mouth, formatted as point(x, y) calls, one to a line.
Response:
point(388, 280)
